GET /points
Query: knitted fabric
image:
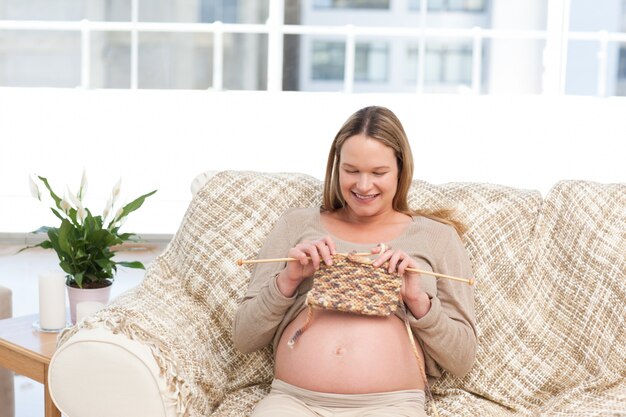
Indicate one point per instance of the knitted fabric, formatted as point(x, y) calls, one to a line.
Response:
point(352, 285)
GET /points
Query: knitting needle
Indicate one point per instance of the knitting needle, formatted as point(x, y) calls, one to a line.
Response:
point(435, 274)
point(438, 275)
point(262, 261)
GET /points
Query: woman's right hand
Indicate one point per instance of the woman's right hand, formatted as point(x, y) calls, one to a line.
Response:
point(308, 255)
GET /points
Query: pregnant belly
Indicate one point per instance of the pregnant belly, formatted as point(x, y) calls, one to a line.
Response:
point(349, 354)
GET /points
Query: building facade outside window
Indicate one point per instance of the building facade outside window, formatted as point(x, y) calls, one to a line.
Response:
point(446, 65)
point(371, 61)
point(351, 4)
point(182, 55)
point(328, 60)
point(450, 5)
point(621, 72)
point(224, 11)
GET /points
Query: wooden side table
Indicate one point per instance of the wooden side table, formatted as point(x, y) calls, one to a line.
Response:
point(27, 352)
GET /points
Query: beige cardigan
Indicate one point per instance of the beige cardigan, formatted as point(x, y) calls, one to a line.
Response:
point(447, 333)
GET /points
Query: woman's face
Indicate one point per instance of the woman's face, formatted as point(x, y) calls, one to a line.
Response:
point(368, 176)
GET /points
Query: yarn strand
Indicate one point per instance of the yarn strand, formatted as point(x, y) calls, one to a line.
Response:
point(429, 394)
point(298, 333)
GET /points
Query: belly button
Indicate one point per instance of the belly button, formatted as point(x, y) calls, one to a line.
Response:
point(340, 351)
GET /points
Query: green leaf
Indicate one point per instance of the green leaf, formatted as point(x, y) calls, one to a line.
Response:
point(126, 236)
point(65, 232)
point(133, 205)
point(79, 279)
point(53, 235)
point(45, 245)
point(56, 213)
point(66, 267)
point(72, 215)
point(100, 238)
point(57, 200)
point(104, 263)
point(135, 264)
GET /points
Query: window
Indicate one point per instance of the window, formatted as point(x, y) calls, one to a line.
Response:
point(445, 64)
point(351, 4)
point(450, 5)
point(370, 61)
point(193, 11)
point(621, 66)
point(163, 44)
point(40, 59)
point(214, 10)
point(620, 87)
point(328, 60)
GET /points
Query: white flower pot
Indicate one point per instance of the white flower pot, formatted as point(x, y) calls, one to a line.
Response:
point(78, 295)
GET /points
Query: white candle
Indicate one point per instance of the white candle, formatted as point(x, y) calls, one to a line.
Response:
point(52, 311)
point(87, 308)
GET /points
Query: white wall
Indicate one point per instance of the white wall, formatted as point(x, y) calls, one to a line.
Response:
point(516, 65)
point(163, 139)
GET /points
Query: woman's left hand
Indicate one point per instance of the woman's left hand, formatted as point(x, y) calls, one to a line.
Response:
point(412, 293)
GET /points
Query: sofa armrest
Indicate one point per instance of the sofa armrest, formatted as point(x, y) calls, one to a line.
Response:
point(7, 395)
point(6, 303)
point(131, 358)
point(124, 377)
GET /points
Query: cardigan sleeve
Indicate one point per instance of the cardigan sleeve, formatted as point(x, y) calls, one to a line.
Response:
point(448, 331)
point(263, 306)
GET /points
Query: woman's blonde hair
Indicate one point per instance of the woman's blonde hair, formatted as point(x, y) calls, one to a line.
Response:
point(383, 125)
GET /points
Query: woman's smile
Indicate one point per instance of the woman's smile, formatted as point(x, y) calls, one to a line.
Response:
point(368, 177)
point(365, 198)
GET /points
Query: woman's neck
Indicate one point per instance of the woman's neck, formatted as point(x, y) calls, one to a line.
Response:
point(365, 229)
point(388, 217)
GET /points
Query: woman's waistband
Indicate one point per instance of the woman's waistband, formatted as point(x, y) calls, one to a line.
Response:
point(328, 399)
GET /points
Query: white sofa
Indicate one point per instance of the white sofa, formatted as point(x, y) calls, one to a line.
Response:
point(550, 302)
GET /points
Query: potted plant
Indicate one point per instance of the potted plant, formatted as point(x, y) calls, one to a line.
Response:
point(85, 244)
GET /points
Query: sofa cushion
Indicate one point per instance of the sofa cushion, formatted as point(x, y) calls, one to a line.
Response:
point(501, 243)
point(552, 338)
point(575, 346)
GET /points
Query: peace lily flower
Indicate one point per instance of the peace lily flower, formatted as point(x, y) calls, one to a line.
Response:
point(84, 243)
point(81, 213)
point(65, 205)
point(34, 190)
point(73, 197)
point(107, 209)
point(82, 190)
point(116, 189)
point(121, 222)
point(118, 216)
